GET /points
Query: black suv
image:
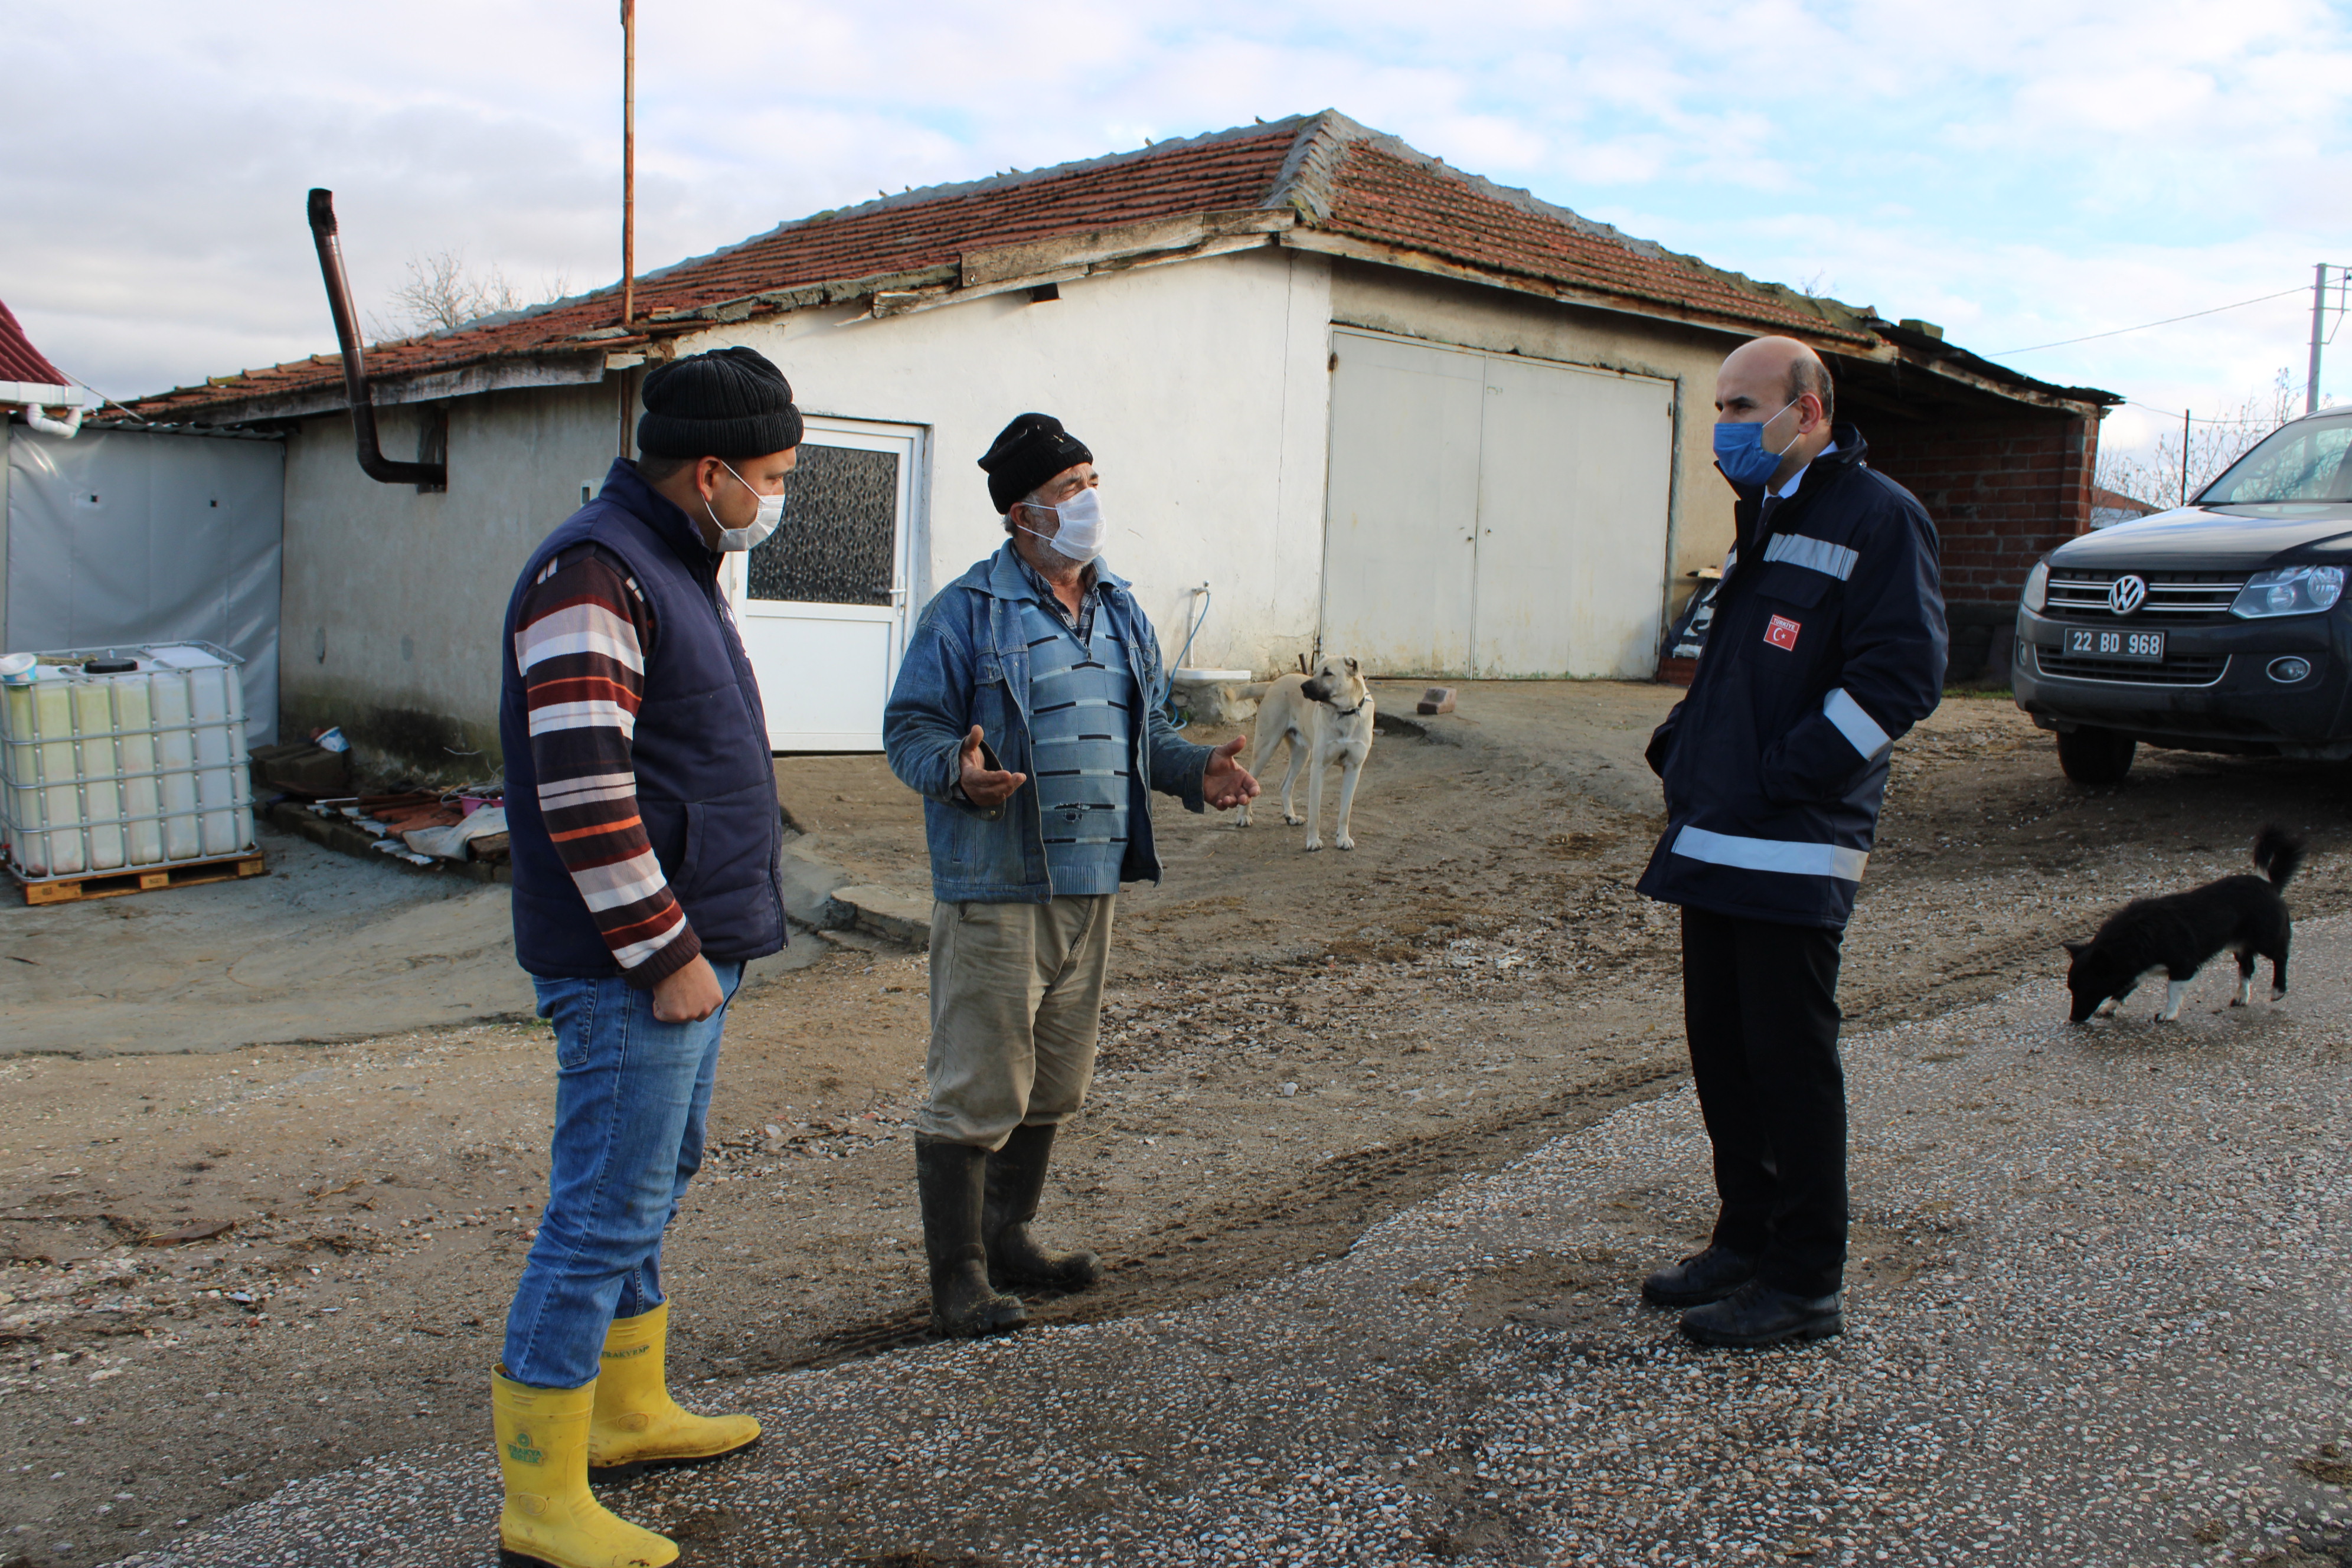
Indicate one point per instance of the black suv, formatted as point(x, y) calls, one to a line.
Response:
point(2219, 626)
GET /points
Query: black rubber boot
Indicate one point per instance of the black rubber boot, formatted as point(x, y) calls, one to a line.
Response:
point(1757, 1314)
point(952, 1181)
point(1704, 1277)
point(1016, 1180)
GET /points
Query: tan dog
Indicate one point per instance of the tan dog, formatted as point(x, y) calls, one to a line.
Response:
point(1326, 717)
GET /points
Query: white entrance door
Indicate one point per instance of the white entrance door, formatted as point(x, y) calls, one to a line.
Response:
point(823, 601)
point(1400, 528)
point(1572, 495)
point(1494, 516)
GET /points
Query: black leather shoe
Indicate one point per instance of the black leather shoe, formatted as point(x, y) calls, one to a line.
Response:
point(1709, 1275)
point(1757, 1314)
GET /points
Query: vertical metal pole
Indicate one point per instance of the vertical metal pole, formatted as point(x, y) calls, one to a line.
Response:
point(628, 161)
point(2319, 309)
point(2184, 457)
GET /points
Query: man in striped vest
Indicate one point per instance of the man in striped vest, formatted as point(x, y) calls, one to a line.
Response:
point(1827, 644)
point(645, 835)
point(1027, 715)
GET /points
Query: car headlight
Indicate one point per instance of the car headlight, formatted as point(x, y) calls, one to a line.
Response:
point(2290, 590)
point(2037, 586)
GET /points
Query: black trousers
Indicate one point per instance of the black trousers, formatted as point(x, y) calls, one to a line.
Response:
point(1760, 1003)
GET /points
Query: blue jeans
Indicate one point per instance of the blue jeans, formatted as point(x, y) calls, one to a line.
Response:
point(631, 1095)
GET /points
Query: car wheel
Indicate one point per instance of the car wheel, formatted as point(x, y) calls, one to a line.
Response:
point(2094, 756)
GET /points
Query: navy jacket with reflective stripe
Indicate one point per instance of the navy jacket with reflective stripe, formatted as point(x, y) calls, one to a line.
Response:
point(1828, 644)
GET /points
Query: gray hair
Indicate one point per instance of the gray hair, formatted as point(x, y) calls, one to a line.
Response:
point(1810, 374)
point(1029, 499)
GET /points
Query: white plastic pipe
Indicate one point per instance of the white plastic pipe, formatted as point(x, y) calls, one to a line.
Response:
point(67, 427)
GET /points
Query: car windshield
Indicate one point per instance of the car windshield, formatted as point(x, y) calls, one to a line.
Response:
point(2310, 459)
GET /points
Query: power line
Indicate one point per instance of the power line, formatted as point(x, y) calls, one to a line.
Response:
point(2174, 413)
point(2120, 331)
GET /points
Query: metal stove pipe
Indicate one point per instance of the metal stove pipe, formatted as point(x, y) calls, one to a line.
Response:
point(373, 462)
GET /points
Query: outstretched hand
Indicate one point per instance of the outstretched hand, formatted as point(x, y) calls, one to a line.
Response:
point(1226, 784)
point(982, 785)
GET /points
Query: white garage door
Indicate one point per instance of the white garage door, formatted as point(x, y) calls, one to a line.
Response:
point(1494, 516)
point(822, 602)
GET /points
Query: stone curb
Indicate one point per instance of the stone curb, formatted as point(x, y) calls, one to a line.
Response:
point(888, 914)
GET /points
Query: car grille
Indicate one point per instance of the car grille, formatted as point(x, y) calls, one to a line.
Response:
point(2174, 598)
point(2180, 669)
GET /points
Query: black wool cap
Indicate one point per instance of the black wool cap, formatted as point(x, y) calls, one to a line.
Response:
point(730, 402)
point(1028, 452)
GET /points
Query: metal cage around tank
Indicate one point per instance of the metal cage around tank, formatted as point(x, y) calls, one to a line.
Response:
point(117, 769)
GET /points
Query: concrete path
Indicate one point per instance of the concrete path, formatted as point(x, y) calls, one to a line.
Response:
point(326, 947)
point(2097, 1316)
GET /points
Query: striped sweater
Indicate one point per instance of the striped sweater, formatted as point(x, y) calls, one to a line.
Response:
point(580, 641)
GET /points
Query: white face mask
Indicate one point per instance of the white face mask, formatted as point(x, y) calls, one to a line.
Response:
point(771, 513)
point(1080, 537)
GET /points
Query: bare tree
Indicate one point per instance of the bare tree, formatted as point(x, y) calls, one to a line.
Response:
point(2177, 469)
point(442, 292)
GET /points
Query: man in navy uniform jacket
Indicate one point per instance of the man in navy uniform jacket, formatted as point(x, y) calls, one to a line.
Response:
point(1828, 643)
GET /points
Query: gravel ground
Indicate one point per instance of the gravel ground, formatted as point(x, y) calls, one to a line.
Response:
point(2097, 1316)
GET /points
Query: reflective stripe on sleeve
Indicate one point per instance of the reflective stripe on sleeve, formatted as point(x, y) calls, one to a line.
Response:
point(1803, 550)
point(1860, 729)
point(1771, 855)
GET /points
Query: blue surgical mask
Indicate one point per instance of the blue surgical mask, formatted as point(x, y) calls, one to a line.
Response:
point(1740, 452)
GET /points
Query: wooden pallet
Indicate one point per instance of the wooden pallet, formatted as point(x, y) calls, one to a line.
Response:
point(145, 878)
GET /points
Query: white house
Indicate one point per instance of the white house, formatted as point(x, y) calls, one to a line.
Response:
point(1365, 400)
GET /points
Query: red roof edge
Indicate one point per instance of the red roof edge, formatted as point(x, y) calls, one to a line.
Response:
point(21, 361)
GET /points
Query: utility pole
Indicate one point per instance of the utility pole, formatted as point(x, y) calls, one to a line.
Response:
point(2184, 457)
point(2318, 310)
point(629, 168)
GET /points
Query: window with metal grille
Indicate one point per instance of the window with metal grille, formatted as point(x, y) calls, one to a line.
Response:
point(839, 538)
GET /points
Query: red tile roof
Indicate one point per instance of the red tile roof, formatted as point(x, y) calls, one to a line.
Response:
point(1388, 193)
point(1338, 182)
point(19, 360)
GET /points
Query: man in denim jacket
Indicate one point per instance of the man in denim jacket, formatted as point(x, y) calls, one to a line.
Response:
point(1027, 716)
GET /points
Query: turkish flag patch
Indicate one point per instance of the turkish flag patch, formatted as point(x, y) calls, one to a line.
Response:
point(1781, 632)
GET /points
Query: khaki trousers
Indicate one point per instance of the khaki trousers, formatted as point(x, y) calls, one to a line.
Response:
point(1016, 1008)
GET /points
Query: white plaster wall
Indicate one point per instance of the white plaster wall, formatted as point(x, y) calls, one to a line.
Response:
point(1699, 529)
point(1201, 386)
point(392, 600)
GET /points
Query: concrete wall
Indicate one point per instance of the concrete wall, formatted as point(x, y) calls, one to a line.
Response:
point(1700, 531)
point(392, 600)
point(1202, 388)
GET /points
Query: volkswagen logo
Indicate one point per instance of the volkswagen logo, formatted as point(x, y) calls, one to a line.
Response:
point(2126, 593)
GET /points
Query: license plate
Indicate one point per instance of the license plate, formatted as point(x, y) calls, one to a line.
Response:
point(2138, 647)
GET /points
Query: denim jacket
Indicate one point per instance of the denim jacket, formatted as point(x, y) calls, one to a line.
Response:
point(968, 665)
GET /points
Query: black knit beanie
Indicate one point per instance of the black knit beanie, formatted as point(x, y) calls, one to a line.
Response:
point(730, 402)
point(1028, 452)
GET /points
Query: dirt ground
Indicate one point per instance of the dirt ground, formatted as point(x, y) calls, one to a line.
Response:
point(1294, 1047)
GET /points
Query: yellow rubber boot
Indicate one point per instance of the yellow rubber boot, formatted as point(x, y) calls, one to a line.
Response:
point(639, 1426)
point(551, 1518)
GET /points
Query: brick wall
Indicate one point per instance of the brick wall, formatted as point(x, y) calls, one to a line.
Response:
point(2001, 491)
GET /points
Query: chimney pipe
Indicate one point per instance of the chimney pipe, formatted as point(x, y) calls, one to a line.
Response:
point(425, 477)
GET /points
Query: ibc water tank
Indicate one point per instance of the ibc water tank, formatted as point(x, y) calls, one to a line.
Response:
point(114, 758)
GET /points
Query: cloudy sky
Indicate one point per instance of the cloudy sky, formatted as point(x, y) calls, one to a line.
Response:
point(2022, 170)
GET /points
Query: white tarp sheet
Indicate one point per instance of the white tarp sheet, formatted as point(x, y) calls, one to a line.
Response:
point(127, 537)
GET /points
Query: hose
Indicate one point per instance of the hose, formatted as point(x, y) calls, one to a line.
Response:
point(1201, 600)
